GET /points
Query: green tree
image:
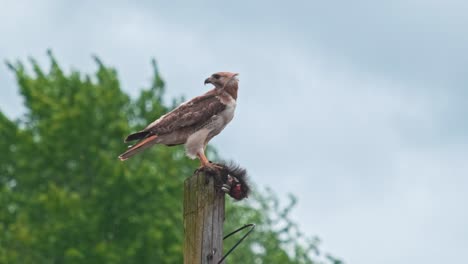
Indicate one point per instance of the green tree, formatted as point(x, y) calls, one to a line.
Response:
point(66, 198)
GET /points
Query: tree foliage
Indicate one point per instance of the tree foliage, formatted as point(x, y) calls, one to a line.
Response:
point(66, 198)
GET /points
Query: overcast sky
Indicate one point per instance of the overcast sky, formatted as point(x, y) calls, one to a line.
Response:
point(357, 107)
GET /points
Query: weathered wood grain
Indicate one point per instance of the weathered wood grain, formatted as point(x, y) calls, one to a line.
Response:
point(203, 220)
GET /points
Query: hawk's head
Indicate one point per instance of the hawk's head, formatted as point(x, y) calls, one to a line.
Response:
point(222, 79)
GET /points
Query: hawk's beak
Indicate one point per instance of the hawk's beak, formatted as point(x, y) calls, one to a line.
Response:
point(208, 80)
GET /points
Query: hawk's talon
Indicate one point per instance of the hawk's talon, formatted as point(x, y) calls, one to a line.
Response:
point(211, 168)
point(215, 165)
point(226, 188)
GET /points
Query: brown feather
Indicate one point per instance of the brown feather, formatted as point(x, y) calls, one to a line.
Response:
point(137, 135)
point(145, 143)
point(196, 111)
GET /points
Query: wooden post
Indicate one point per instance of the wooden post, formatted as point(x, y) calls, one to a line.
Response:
point(203, 220)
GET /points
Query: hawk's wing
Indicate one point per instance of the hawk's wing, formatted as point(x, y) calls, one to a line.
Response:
point(196, 111)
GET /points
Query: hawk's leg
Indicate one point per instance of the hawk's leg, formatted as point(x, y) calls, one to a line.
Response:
point(205, 163)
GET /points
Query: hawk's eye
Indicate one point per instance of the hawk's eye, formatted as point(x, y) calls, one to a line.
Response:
point(216, 76)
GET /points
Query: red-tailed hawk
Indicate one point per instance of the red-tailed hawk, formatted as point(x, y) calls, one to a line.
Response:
point(194, 123)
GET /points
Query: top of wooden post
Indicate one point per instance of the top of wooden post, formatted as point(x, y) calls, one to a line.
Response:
point(203, 220)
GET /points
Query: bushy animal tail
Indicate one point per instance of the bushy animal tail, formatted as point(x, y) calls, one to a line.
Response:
point(138, 147)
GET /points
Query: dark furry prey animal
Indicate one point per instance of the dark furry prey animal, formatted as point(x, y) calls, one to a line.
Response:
point(231, 179)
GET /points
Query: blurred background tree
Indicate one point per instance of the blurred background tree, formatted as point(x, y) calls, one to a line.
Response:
point(66, 198)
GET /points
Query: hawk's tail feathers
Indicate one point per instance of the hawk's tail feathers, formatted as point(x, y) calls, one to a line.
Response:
point(144, 144)
point(137, 135)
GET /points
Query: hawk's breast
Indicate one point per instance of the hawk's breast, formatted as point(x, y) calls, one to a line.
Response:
point(228, 113)
point(197, 141)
